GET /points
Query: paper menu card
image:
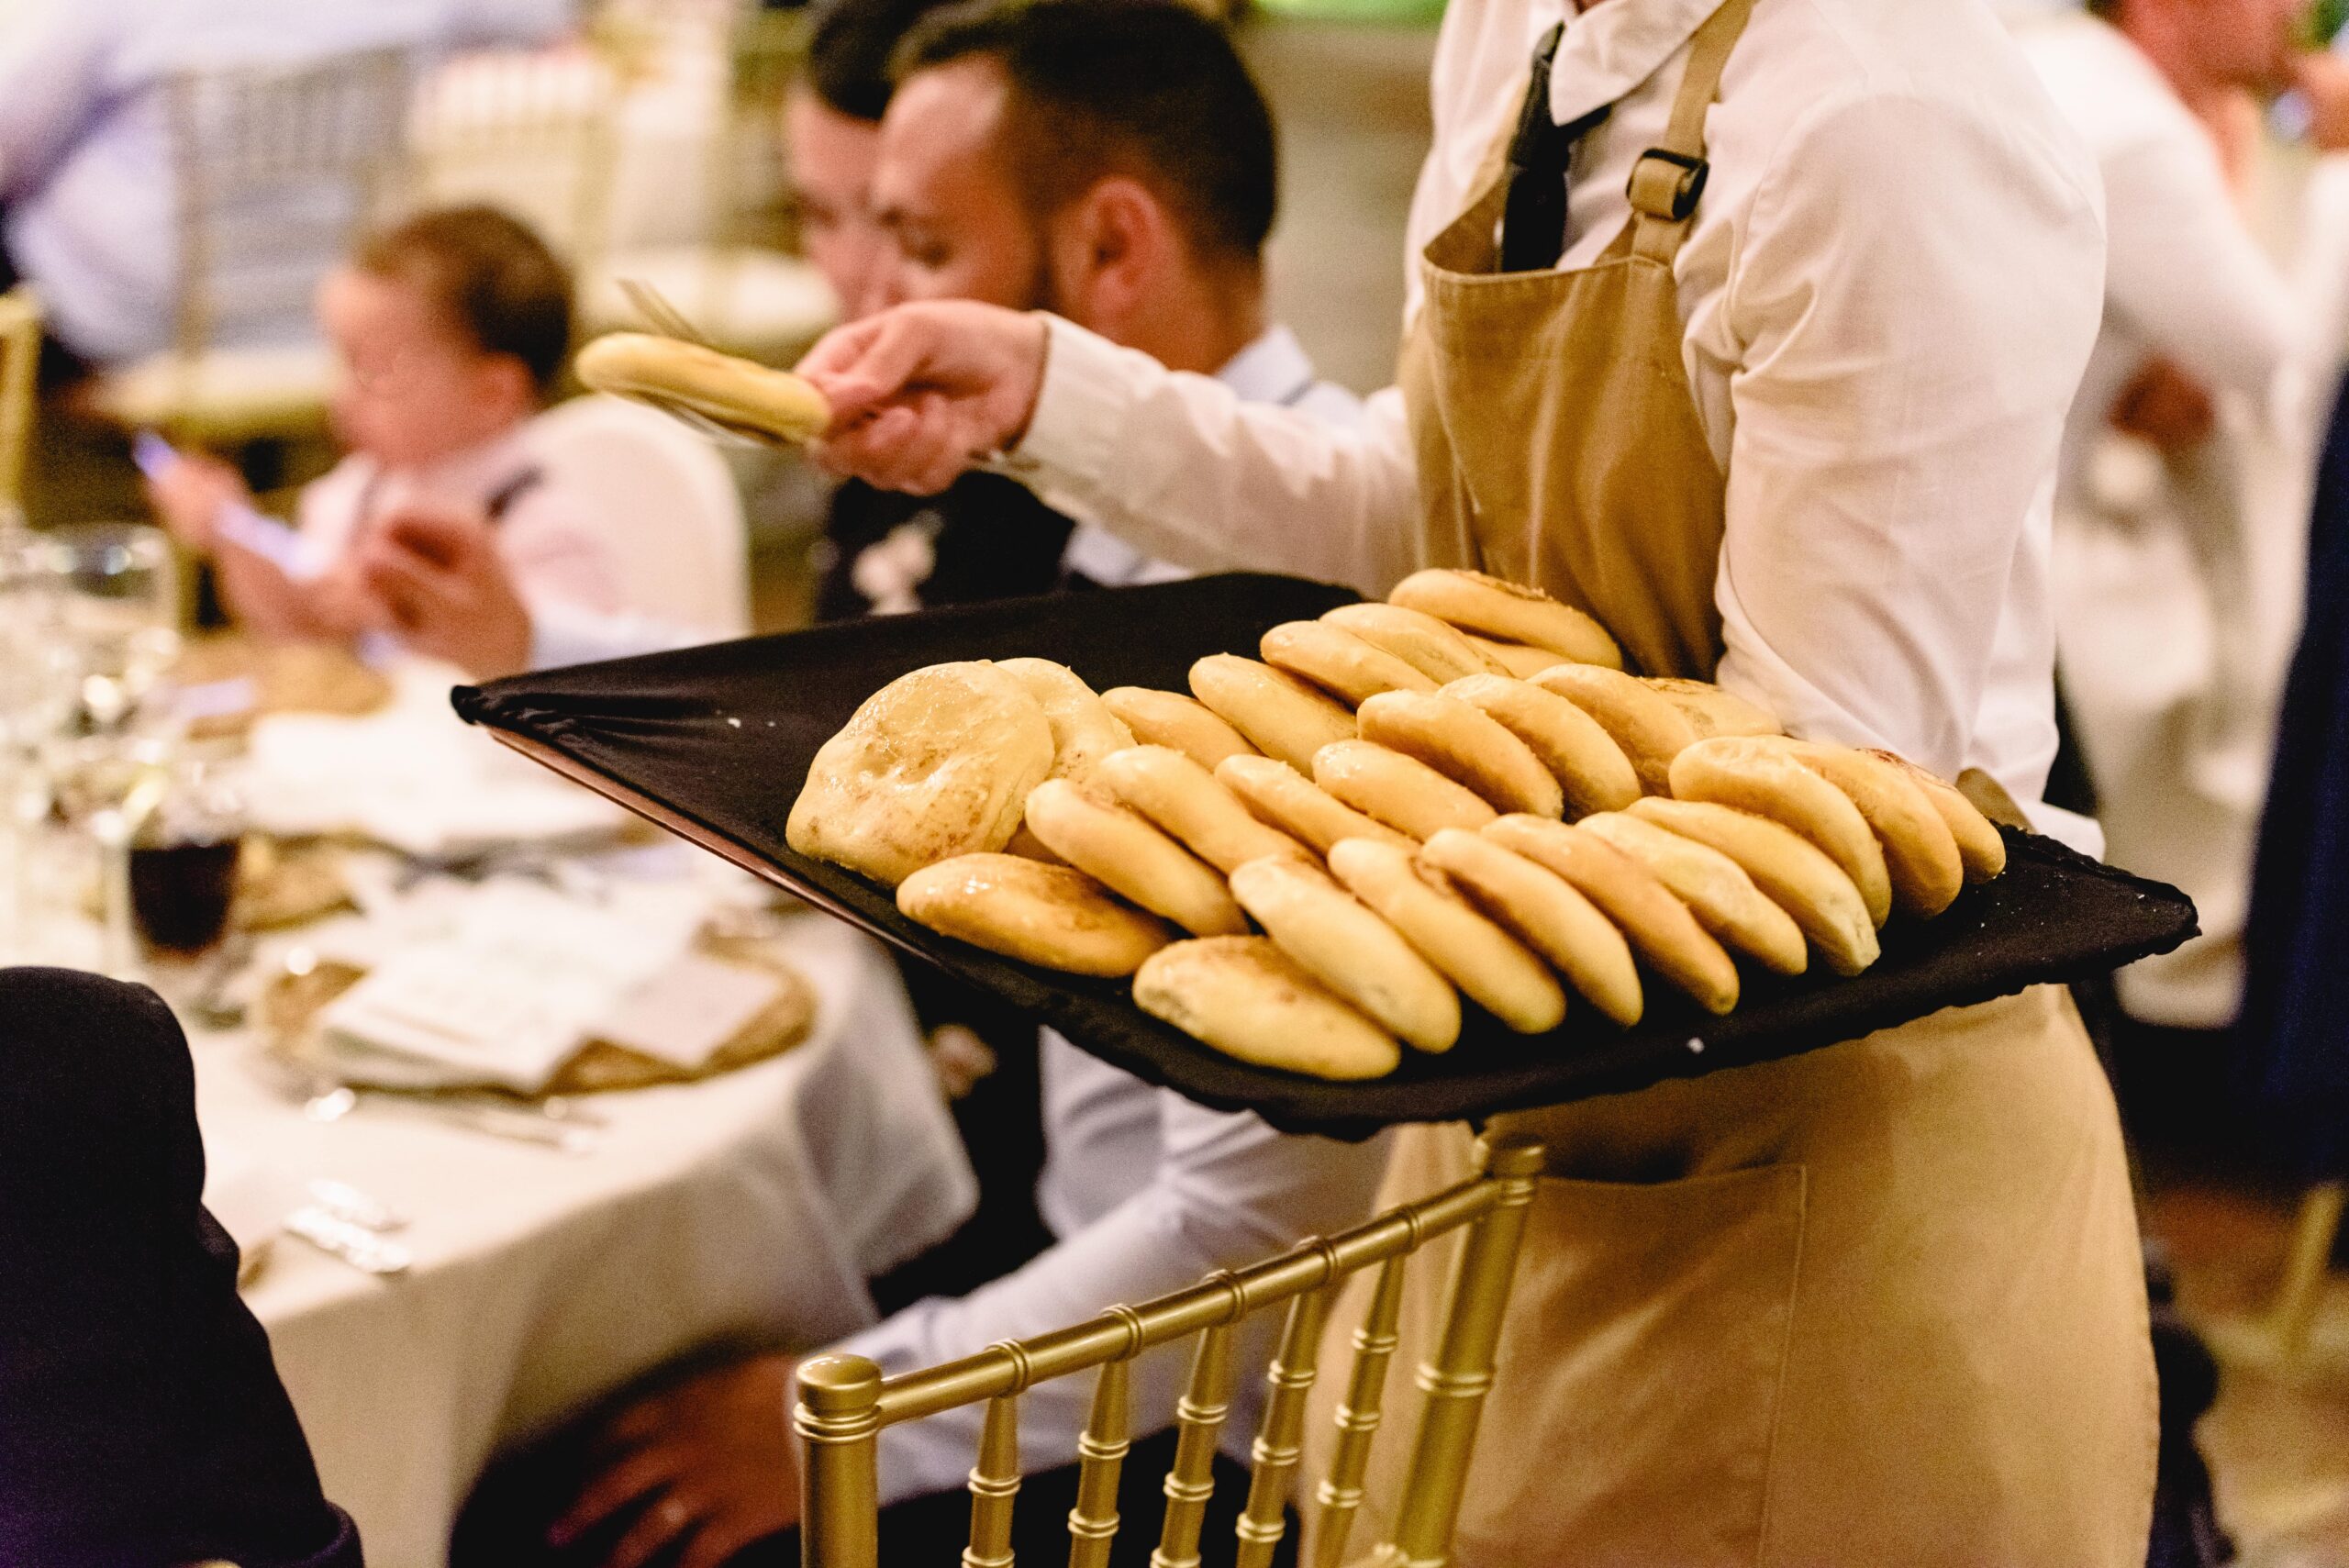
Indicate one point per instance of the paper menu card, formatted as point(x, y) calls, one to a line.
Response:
point(520, 977)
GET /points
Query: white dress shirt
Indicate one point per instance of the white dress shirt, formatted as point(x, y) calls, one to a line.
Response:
point(86, 155)
point(2179, 579)
point(1888, 292)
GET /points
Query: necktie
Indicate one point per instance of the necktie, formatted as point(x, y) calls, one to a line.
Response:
point(1533, 220)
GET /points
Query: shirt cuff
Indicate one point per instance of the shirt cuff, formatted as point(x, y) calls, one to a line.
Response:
point(1083, 404)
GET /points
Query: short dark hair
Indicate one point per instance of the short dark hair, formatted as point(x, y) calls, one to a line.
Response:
point(1149, 88)
point(849, 43)
point(490, 274)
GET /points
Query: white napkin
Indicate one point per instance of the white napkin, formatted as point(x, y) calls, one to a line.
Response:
point(413, 776)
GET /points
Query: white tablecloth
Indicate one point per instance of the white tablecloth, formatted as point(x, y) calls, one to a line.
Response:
point(753, 1205)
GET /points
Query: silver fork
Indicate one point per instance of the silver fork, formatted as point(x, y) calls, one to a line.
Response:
point(667, 319)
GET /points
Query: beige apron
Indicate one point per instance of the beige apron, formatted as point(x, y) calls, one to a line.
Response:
point(1880, 1304)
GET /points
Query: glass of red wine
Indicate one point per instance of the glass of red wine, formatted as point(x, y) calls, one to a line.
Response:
point(183, 866)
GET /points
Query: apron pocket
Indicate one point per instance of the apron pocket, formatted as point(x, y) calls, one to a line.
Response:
point(1637, 1389)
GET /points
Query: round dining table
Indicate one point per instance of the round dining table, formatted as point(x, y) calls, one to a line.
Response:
point(750, 1207)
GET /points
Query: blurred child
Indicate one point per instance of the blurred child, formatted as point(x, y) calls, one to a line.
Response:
point(451, 329)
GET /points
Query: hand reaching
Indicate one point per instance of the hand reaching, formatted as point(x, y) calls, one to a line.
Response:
point(921, 392)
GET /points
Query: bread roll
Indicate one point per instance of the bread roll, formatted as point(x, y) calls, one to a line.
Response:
point(1350, 950)
point(1494, 968)
point(1280, 715)
point(1050, 915)
point(1919, 851)
point(1714, 887)
point(1589, 767)
point(1436, 649)
point(1509, 611)
point(1169, 718)
point(1184, 798)
point(1514, 659)
point(1282, 798)
point(1402, 792)
point(1547, 913)
point(1338, 661)
point(1461, 741)
point(1084, 729)
point(1027, 847)
point(1247, 999)
point(1795, 874)
point(1125, 852)
point(1713, 711)
point(1979, 843)
point(937, 764)
point(1753, 774)
point(1649, 725)
point(1660, 927)
point(742, 395)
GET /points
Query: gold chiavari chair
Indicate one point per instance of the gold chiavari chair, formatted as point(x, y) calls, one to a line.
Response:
point(534, 132)
point(20, 326)
point(844, 1402)
point(277, 167)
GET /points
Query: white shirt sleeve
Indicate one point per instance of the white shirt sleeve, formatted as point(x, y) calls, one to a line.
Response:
point(1915, 302)
point(50, 55)
point(1180, 467)
point(1227, 1192)
point(2186, 275)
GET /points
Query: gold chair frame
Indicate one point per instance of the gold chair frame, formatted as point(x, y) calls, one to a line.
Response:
point(844, 1402)
point(20, 329)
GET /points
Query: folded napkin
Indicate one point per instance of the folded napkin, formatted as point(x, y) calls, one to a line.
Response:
point(413, 776)
point(502, 982)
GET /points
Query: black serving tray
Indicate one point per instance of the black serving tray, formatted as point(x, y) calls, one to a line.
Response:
point(713, 742)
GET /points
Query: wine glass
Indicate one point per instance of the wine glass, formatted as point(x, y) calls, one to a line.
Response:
point(109, 784)
point(119, 603)
point(38, 695)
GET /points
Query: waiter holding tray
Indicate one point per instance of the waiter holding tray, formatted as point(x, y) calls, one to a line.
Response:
point(1748, 327)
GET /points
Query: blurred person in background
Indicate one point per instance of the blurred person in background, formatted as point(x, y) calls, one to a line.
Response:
point(88, 196)
point(1112, 159)
point(452, 328)
point(2182, 491)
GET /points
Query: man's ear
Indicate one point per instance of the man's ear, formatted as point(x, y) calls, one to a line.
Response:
point(1109, 248)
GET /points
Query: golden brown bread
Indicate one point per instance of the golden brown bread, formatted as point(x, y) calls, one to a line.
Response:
point(1169, 718)
point(1494, 968)
point(1509, 611)
point(742, 395)
point(937, 764)
point(1979, 844)
point(1341, 943)
point(1547, 913)
point(1714, 887)
point(1402, 792)
point(1436, 649)
point(1338, 661)
point(1248, 999)
point(1649, 725)
point(1184, 799)
point(1712, 710)
point(1280, 715)
point(1127, 854)
point(1796, 873)
point(1465, 744)
point(1282, 798)
point(1084, 729)
point(1919, 851)
point(1590, 768)
point(1755, 773)
point(1051, 915)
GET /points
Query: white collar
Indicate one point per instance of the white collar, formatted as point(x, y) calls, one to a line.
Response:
point(1611, 48)
point(1272, 369)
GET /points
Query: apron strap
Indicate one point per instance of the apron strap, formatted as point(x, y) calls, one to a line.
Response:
point(1667, 181)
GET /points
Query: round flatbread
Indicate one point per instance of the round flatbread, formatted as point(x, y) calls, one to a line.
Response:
point(1050, 915)
point(1169, 718)
point(1280, 715)
point(1649, 725)
point(1184, 799)
point(1084, 729)
point(1979, 843)
point(1509, 611)
point(1436, 649)
point(1796, 873)
point(1341, 663)
point(1515, 659)
point(1461, 741)
point(1284, 798)
point(938, 763)
point(1753, 774)
point(751, 399)
point(1547, 913)
point(1350, 950)
point(1248, 999)
point(1402, 792)
point(1590, 768)
point(1494, 968)
point(1712, 710)
point(1126, 853)
point(1919, 851)
point(1715, 887)
point(1661, 927)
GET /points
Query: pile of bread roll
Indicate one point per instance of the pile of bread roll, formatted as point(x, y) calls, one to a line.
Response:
point(1456, 792)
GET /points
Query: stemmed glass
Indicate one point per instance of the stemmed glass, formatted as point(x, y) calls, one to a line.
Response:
point(38, 682)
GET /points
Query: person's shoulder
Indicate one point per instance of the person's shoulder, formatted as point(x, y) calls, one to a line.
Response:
point(2103, 84)
point(1906, 96)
